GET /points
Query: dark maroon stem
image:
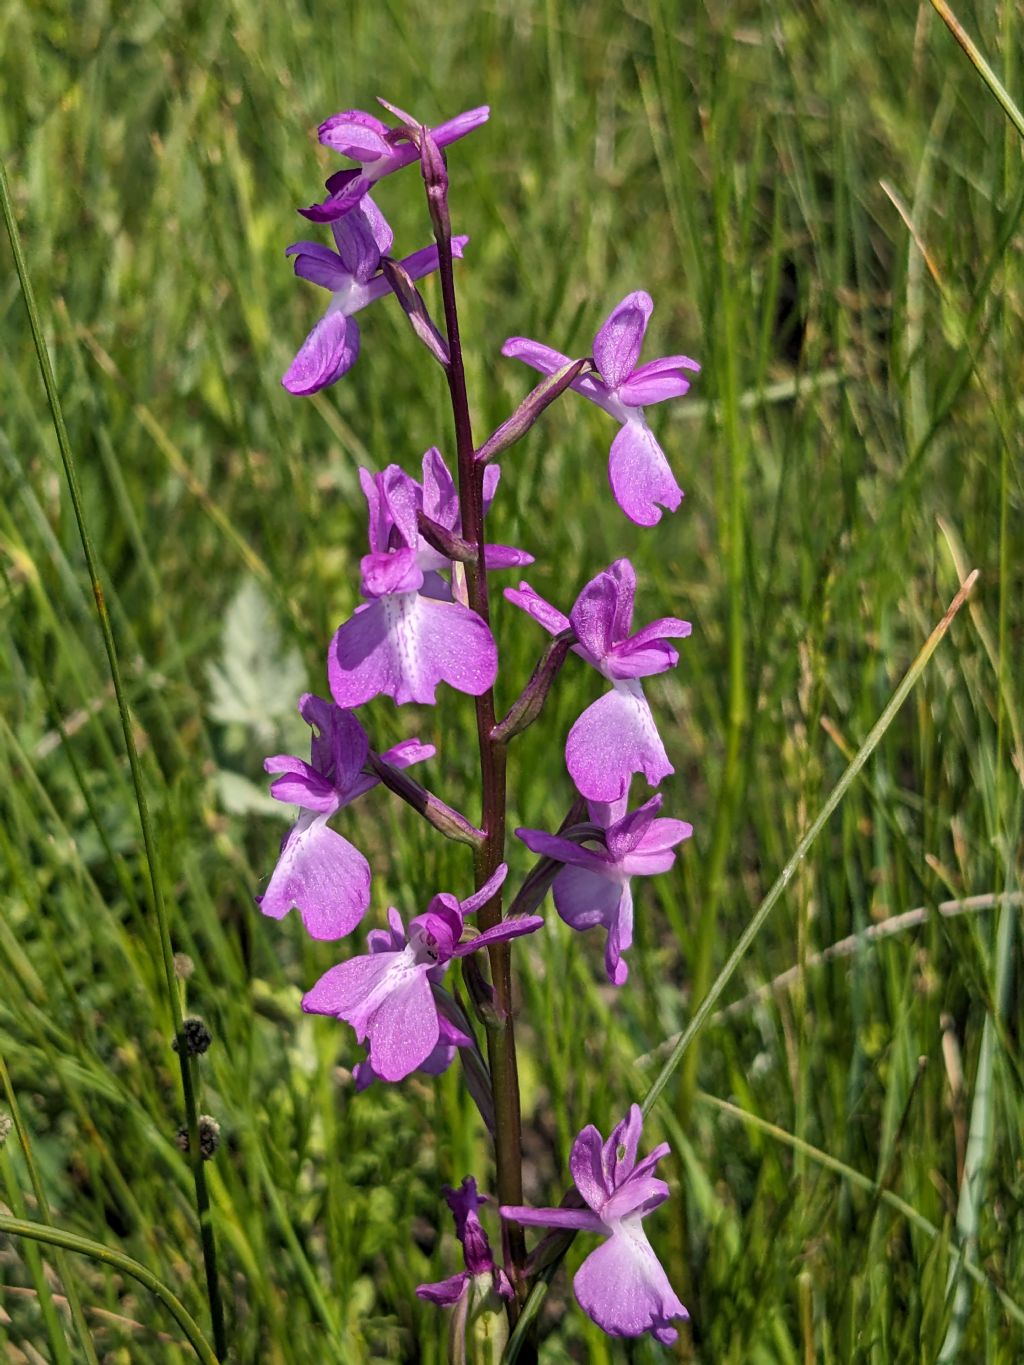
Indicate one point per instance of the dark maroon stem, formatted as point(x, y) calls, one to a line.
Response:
point(501, 1043)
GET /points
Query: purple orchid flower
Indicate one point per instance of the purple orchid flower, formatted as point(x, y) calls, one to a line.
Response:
point(414, 633)
point(616, 736)
point(380, 151)
point(353, 275)
point(593, 888)
point(450, 1037)
point(638, 471)
point(476, 1249)
point(386, 994)
point(622, 1284)
point(318, 870)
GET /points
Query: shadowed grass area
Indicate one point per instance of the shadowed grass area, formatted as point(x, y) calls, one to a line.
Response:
point(825, 203)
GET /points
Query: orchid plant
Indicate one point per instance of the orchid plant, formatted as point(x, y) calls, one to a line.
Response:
point(425, 621)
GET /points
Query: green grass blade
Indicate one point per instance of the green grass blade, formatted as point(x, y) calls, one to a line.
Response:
point(980, 65)
point(117, 1260)
point(152, 857)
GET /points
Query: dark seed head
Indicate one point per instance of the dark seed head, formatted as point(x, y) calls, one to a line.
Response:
point(197, 1036)
point(209, 1136)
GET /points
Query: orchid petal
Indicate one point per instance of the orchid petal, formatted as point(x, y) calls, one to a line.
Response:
point(444, 1292)
point(356, 134)
point(405, 645)
point(585, 898)
point(581, 1220)
point(614, 738)
point(620, 337)
point(553, 621)
point(331, 349)
point(321, 874)
point(320, 265)
point(624, 1288)
point(505, 556)
point(515, 927)
point(490, 888)
point(564, 850)
point(640, 476)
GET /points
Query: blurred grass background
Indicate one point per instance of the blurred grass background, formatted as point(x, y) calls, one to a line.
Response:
point(825, 203)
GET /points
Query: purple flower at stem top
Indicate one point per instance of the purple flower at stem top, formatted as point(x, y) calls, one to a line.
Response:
point(318, 870)
point(386, 994)
point(380, 151)
point(616, 736)
point(593, 888)
point(476, 1249)
point(353, 276)
point(622, 1284)
point(638, 471)
point(416, 630)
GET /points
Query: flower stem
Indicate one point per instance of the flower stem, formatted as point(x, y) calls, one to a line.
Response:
point(501, 1043)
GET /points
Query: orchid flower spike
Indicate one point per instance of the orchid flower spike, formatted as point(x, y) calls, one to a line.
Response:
point(386, 994)
point(638, 471)
point(318, 871)
point(622, 1285)
point(379, 150)
point(412, 635)
point(353, 275)
point(616, 736)
point(593, 887)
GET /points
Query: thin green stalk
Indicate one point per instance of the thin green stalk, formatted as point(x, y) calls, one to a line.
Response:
point(152, 859)
point(865, 751)
point(56, 1332)
point(117, 1260)
point(43, 1204)
point(980, 64)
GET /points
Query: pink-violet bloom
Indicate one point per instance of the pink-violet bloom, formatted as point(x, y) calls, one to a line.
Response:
point(353, 275)
point(415, 632)
point(379, 150)
point(638, 471)
point(593, 888)
point(386, 994)
point(318, 871)
point(616, 736)
point(622, 1284)
point(481, 1269)
point(450, 1037)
